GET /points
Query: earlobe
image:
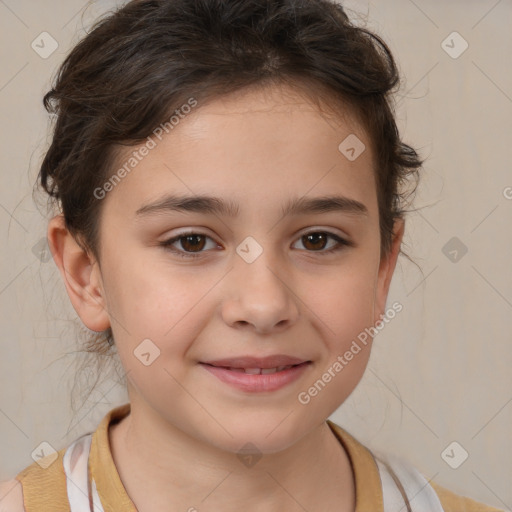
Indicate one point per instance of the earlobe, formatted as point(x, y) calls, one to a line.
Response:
point(387, 269)
point(81, 275)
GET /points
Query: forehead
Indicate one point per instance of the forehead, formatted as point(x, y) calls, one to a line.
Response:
point(269, 107)
point(245, 145)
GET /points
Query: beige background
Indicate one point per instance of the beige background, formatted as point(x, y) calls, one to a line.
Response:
point(440, 371)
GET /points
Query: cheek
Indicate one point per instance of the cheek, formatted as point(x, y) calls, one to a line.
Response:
point(343, 300)
point(155, 302)
point(343, 306)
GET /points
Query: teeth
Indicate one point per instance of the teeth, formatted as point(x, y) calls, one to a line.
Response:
point(261, 371)
point(253, 371)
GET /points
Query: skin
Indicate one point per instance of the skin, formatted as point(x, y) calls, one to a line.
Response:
point(260, 148)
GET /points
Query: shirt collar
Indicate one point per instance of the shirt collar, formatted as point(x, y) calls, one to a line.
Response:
point(114, 497)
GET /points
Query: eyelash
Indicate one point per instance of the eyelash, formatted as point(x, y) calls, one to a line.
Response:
point(167, 244)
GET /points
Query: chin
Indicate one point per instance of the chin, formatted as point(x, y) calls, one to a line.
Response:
point(267, 436)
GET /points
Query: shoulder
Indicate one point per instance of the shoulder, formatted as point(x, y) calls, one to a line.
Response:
point(11, 496)
point(452, 502)
point(421, 492)
point(39, 487)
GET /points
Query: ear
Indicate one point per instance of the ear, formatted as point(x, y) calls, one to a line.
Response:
point(81, 275)
point(386, 270)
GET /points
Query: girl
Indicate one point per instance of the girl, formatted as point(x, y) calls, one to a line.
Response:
point(228, 176)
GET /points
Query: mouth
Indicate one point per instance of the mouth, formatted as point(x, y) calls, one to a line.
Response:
point(257, 374)
point(257, 371)
point(252, 362)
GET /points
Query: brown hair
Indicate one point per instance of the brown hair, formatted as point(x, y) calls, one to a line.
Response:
point(142, 62)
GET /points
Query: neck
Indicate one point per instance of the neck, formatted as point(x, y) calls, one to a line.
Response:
point(163, 471)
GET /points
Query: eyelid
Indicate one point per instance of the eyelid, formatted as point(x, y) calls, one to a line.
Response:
point(341, 241)
point(168, 242)
point(327, 230)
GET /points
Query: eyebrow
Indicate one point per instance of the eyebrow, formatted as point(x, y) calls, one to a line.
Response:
point(215, 205)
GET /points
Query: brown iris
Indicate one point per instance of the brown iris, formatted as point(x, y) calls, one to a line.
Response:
point(190, 242)
point(315, 238)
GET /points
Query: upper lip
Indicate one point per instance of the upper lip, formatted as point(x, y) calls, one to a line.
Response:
point(257, 362)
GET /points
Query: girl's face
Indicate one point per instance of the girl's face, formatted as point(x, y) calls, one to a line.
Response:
point(249, 282)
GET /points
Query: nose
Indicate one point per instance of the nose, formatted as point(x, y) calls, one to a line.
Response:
point(260, 298)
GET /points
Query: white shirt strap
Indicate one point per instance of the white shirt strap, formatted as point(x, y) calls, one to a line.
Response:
point(399, 478)
point(82, 497)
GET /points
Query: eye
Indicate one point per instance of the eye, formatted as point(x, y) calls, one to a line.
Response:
point(317, 240)
point(191, 242)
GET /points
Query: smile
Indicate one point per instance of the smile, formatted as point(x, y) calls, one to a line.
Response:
point(254, 379)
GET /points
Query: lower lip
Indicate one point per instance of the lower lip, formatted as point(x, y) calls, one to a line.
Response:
point(257, 383)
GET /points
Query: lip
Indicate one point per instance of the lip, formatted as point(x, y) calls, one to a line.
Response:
point(257, 383)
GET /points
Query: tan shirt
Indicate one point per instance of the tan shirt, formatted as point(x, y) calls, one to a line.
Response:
point(44, 490)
